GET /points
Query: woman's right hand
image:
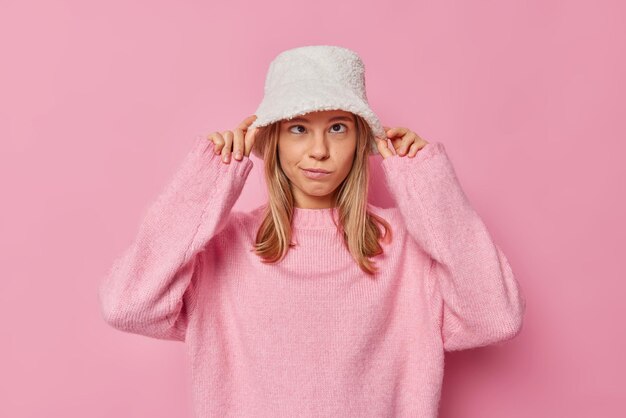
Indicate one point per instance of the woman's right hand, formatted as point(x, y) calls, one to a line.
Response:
point(238, 142)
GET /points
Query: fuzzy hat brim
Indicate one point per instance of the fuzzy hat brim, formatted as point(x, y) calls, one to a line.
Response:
point(298, 98)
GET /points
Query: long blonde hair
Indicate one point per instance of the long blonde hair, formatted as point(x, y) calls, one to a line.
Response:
point(359, 226)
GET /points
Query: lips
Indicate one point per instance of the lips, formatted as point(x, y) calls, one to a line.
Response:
point(315, 174)
point(316, 170)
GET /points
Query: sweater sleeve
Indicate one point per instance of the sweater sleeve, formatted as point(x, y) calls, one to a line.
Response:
point(149, 290)
point(478, 300)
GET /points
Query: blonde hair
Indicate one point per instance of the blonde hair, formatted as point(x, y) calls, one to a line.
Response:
point(359, 226)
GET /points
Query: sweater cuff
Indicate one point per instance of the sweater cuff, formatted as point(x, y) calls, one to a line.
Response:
point(406, 164)
point(203, 153)
point(203, 173)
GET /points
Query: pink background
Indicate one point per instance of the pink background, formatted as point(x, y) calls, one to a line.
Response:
point(100, 101)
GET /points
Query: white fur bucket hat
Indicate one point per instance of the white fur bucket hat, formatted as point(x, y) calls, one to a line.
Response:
point(312, 78)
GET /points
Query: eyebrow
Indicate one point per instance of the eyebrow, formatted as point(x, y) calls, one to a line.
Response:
point(303, 119)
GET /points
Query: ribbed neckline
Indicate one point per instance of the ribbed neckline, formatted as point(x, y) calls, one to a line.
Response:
point(305, 218)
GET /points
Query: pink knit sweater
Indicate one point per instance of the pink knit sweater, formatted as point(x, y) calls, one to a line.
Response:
point(313, 335)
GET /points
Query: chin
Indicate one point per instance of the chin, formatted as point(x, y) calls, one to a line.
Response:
point(317, 192)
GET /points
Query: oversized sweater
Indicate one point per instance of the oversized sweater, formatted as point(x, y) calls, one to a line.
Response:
point(314, 335)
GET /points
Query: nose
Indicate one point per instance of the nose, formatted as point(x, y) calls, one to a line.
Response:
point(319, 146)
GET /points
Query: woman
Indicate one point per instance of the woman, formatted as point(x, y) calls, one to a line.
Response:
point(316, 303)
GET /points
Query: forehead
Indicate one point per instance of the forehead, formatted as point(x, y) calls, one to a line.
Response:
point(323, 116)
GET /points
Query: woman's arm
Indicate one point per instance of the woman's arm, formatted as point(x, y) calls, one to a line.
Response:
point(478, 298)
point(149, 290)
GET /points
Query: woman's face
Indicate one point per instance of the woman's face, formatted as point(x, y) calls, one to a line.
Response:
point(317, 140)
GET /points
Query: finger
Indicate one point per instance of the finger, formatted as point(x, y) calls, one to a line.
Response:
point(218, 141)
point(228, 146)
point(249, 139)
point(396, 143)
point(417, 145)
point(245, 124)
point(397, 131)
point(238, 145)
point(383, 148)
point(413, 149)
point(406, 142)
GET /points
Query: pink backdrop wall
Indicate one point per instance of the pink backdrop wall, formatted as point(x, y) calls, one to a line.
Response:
point(99, 101)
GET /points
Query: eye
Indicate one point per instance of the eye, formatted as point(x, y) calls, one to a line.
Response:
point(339, 124)
point(334, 131)
point(295, 126)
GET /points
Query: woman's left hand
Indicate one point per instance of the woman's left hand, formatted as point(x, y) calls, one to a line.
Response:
point(404, 141)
